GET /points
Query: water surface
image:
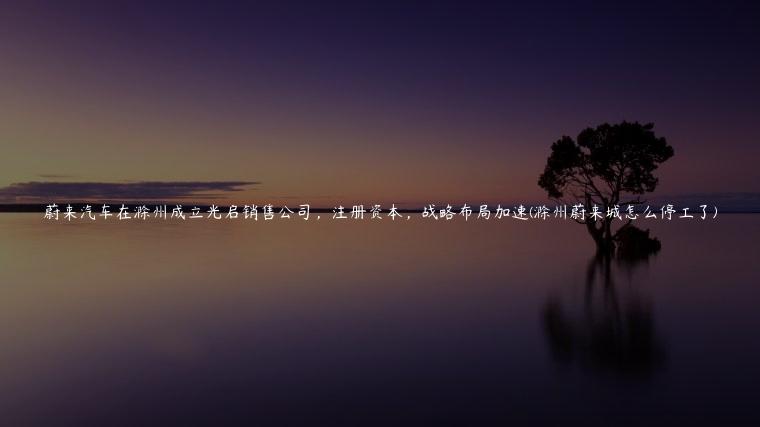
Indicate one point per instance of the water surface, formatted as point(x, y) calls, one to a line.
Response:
point(388, 323)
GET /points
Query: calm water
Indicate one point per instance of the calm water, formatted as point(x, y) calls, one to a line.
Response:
point(345, 323)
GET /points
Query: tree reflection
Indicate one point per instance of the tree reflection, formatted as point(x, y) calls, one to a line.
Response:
point(607, 332)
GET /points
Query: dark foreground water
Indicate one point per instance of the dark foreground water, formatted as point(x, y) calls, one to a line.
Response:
point(405, 323)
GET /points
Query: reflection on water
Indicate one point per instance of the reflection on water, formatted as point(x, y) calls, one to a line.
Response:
point(384, 323)
point(610, 333)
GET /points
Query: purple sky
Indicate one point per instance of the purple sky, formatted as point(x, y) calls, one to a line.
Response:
point(393, 102)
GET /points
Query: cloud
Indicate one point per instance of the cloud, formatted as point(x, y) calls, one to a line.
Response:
point(55, 176)
point(146, 190)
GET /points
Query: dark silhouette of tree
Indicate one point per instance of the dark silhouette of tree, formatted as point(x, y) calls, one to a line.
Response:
point(605, 166)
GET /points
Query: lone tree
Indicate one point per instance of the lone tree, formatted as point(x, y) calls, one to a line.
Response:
point(608, 166)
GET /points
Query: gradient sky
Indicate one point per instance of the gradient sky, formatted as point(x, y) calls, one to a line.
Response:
point(394, 102)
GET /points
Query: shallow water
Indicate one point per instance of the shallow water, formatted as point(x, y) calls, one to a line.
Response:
point(374, 323)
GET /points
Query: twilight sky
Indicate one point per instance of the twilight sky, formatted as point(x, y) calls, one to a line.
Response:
point(357, 103)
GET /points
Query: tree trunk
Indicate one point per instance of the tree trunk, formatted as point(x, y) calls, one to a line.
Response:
point(605, 243)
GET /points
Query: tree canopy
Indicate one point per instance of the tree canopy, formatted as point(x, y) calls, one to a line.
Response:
point(605, 166)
